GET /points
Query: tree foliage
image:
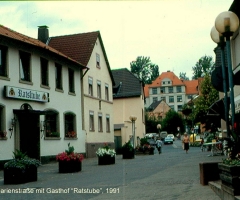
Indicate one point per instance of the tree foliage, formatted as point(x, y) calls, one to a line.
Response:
point(183, 76)
point(203, 67)
point(172, 121)
point(151, 124)
point(208, 96)
point(144, 69)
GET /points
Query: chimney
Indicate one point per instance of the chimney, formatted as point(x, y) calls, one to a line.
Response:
point(43, 34)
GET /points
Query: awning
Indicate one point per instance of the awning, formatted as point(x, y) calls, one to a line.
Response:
point(217, 109)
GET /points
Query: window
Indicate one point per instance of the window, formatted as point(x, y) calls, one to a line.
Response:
point(171, 99)
point(24, 66)
point(70, 130)
point(154, 90)
point(2, 127)
point(162, 90)
point(58, 70)
point(100, 127)
point(155, 99)
point(107, 123)
point(169, 82)
point(163, 99)
point(91, 121)
point(189, 96)
point(99, 89)
point(51, 124)
point(172, 107)
point(90, 86)
point(98, 60)
point(3, 61)
point(106, 92)
point(179, 89)
point(179, 98)
point(71, 80)
point(44, 71)
point(170, 89)
point(163, 82)
point(179, 107)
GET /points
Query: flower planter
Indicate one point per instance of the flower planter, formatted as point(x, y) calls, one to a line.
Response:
point(69, 166)
point(18, 176)
point(230, 177)
point(128, 155)
point(106, 160)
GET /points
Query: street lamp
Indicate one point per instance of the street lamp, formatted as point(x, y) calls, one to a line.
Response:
point(226, 24)
point(158, 128)
point(219, 39)
point(133, 119)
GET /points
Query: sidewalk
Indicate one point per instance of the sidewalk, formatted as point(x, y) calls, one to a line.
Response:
point(170, 175)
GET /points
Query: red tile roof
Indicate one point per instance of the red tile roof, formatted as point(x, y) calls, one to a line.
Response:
point(77, 46)
point(11, 34)
point(175, 80)
point(191, 87)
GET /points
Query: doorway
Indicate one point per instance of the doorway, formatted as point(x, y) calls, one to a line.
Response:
point(29, 134)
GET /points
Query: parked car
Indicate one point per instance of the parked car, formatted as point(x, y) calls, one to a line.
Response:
point(163, 134)
point(171, 135)
point(168, 140)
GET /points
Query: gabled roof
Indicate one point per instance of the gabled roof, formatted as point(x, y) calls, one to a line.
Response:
point(191, 87)
point(158, 81)
point(11, 34)
point(79, 46)
point(154, 105)
point(127, 85)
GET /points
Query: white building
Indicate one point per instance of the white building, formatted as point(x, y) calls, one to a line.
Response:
point(40, 99)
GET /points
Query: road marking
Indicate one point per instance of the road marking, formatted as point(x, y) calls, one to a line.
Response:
point(174, 146)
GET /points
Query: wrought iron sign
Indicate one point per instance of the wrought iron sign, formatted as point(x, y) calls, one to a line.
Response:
point(26, 94)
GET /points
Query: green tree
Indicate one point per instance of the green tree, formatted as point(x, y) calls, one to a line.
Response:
point(151, 124)
point(172, 121)
point(183, 76)
point(208, 96)
point(144, 69)
point(204, 66)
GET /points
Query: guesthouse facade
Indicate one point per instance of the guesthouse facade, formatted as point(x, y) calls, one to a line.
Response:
point(40, 99)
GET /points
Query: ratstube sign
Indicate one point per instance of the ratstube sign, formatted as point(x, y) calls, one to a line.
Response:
point(26, 94)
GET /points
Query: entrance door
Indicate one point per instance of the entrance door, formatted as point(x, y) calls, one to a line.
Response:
point(29, 134)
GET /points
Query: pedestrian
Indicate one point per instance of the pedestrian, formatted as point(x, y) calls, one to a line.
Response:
point(185, 142)
point(159, 145)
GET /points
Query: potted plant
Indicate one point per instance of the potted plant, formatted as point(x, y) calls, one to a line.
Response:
point(230, 167)
point(69, 161)
point(106, 156)
point(20, 169)
point(128, 151)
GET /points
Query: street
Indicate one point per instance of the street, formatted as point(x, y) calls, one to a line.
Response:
point(170, 175)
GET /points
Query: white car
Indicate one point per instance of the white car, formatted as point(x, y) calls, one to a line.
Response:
point(171, 135)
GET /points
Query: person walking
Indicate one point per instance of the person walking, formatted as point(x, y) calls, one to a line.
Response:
point(159, 145)
point(185, 142)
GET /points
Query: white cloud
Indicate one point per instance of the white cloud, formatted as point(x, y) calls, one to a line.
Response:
point(173, 33)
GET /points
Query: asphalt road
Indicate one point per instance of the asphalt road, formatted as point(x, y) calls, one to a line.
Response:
point(168, 176)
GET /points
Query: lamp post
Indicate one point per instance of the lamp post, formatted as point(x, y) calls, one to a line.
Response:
point(226, 24)
point(133, 119)
point(219, 39)
point(158, 128)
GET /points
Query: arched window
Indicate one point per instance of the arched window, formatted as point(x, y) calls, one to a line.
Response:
point(51, 122)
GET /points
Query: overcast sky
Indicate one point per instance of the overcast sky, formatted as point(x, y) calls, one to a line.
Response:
point(173, 33)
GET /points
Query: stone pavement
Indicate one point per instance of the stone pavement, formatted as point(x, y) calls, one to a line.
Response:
point(168, 176)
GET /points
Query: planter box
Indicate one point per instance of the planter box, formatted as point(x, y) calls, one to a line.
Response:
point(18, 176)
point(106, 160)
point(128, 155)
point(69, 166)
point(230, 177)
point(208, 172)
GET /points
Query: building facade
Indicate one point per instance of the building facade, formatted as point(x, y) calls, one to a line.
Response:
point(40, 99)
point(88, 49)
point(128, 100)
